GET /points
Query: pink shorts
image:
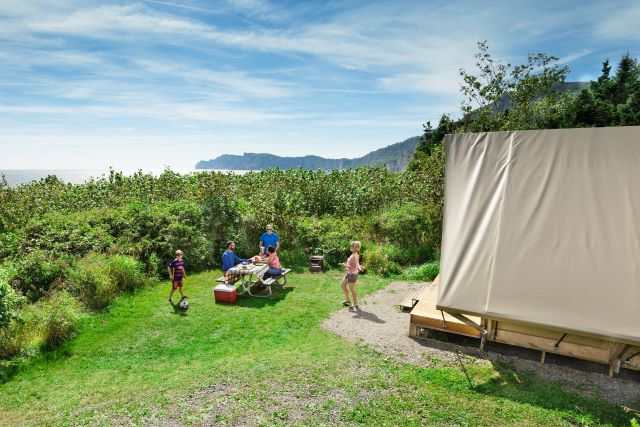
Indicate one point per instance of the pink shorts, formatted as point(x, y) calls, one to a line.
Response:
point(176, 284)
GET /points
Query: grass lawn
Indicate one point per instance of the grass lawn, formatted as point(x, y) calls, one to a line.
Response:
point(265, 362)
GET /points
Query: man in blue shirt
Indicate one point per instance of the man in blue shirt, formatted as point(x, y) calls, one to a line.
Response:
point(229, 257)
point(269, 239)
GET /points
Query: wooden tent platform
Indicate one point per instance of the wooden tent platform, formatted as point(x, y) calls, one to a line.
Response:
point(424, 315)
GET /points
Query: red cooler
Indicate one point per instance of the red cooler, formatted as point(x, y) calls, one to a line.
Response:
point(225, 293)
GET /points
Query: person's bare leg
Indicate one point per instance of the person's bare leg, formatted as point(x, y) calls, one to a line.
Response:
point(346, 292)
point(352, 286)
point(171, 295)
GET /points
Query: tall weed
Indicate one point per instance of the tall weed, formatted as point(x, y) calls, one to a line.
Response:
point(61, 314)
point(126, 272)
point(90, 280)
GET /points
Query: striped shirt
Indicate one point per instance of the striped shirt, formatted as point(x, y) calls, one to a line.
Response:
point(177, 267)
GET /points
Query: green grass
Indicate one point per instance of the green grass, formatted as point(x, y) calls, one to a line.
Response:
point(265, 362)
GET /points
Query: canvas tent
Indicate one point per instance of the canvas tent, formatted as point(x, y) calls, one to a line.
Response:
point(542, 228)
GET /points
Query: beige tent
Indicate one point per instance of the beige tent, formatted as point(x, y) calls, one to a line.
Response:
point(543, 228)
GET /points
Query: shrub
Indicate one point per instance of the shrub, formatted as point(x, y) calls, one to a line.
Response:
point(293, 258)
point(62, 312)
point(377, 261)
point(153, 265)
point(329, 236)
point(90, 280)
point(10, 301)
point(126, 272)
point(34, 273)
point(76, 233)
point(405, 255)
point(12, 339)
point(425, 272)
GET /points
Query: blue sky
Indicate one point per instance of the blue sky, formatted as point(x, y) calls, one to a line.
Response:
point(148, 84)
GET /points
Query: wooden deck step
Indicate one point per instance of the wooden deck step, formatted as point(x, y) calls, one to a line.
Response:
point(410, 300)
point(425, 314)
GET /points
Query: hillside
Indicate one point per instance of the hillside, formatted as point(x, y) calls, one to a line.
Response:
point(395, 157)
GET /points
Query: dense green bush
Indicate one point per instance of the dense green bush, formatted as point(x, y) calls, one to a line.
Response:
point(425, 272)
point(34, 273)
point(59, 233)
point(328, 236)
point(376, 260)
point(293, 258)
point(10, 301)
point(403, 225)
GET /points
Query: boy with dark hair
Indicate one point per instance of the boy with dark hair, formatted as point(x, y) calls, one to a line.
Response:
point(176, 273)
point(229, 257)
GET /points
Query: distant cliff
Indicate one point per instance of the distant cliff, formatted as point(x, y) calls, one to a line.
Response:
point(395, 157)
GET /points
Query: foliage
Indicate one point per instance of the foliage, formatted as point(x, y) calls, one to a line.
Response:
point(89, 279)
point(610, 100)
point(505, 97)
point(10, 301)
point(61, 314)
point(425, 272)
point(97, 279)
point(126, 272)
point(35, 272)
point(376, 260)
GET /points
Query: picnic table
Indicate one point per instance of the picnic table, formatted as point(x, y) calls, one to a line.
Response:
point(244, 273)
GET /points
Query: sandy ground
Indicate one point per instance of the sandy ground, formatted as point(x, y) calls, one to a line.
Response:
point(379, 323)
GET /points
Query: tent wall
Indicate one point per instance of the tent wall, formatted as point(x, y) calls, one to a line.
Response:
point(543, 227)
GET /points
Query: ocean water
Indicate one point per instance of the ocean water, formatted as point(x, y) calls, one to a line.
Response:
point(17, 177)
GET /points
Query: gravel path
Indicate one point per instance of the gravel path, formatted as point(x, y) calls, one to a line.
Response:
point(380, 324)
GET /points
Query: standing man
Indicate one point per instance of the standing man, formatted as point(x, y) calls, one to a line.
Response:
point(269, 238)
point(229, 257)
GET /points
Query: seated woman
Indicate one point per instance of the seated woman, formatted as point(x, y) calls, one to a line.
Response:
point(275, 270)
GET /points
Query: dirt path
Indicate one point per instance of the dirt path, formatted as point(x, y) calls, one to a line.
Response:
point(380, 324)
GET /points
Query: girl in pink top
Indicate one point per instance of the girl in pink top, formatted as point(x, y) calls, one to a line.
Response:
point(272, 259)
point(353, 268)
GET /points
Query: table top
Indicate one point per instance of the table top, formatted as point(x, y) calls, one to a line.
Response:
point(241, 269)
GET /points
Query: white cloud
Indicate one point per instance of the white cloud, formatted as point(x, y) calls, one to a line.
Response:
point(620, 22)
point(238, 82)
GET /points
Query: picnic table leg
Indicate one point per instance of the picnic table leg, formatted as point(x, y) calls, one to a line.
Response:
point(256, 295)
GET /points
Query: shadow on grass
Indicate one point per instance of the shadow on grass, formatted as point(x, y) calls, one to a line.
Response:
point(179, 311)
point(527, 387)
point(248, 301)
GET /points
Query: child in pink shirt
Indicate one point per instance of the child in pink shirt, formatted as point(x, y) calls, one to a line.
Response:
point(353, 268)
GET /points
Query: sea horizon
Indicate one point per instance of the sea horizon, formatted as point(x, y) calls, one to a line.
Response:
point(16, 177)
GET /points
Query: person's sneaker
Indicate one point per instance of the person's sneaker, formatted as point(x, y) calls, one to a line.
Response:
point(170, 302)
point(346, 303)
point(184, 297)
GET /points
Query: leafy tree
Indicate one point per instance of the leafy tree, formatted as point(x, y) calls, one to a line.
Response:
point(506, 97)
